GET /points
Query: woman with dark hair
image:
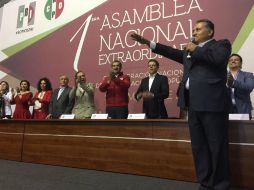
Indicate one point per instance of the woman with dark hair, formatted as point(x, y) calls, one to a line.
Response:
point(5, 99)
point(22, 98)
point(41, 99)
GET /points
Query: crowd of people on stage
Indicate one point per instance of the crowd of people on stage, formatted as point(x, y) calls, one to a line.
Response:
point(153, 90)
point(79, 100)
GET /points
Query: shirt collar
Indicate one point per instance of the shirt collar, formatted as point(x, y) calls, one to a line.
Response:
point(153, 75)
point(203, 43)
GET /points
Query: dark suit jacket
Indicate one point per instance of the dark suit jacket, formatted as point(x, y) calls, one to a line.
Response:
point(207, 72)
point(154, 107)
point(243, 85)
point(61, 106)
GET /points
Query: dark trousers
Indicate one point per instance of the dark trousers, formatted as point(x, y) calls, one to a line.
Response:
point(209, 140)
point(117, 112)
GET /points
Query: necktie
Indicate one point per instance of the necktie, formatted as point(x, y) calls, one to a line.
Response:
point(60, 92)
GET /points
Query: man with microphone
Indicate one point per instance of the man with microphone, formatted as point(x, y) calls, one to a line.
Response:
point(204, 93)
point(192, 39)
point(116, 86)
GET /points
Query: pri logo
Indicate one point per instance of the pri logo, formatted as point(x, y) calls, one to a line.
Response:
point(26, 14)
point(53, 9)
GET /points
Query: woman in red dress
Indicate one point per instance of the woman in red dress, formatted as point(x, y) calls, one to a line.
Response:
point(22, 98)
point(41, 99)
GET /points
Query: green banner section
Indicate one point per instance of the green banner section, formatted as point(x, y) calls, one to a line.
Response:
point(245, 31)
point(22, 45)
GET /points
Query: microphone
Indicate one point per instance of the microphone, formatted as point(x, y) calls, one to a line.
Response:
point(192, 39)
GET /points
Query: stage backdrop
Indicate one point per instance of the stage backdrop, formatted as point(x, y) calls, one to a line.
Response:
point(53, 37)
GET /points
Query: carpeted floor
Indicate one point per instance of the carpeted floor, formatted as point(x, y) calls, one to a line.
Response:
point(27, 176)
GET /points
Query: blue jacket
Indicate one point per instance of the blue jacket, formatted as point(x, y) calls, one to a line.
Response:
point(243, 86)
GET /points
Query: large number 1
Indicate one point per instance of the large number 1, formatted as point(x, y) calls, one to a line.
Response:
point(85, 25)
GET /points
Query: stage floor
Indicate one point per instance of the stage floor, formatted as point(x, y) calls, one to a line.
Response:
point(26, 176)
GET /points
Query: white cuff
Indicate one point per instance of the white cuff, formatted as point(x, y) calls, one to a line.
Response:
point(152, 45)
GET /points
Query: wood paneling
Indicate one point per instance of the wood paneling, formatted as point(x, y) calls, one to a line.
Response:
point(241, 132)
point(176, 129)
point(11, 139)
point(158, 148)
point(143, 157)
point(118, 128)
point(242, 165)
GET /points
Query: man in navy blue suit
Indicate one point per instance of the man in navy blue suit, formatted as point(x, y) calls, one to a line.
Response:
point(204, 92)
point(241, 85)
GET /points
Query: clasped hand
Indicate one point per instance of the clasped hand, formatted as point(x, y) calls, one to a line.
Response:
point(146, 95)
point(230, 80)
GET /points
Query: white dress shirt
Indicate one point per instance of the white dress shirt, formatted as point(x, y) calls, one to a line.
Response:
point(151, 79)
point(7, 98)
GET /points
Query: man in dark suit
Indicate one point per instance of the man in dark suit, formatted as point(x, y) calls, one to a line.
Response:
point(153, 89)
point(240, 84)
point(204, 92)
point(60, 102)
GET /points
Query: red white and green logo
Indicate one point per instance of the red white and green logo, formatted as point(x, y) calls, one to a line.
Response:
point(26, 15)
point(53, 9)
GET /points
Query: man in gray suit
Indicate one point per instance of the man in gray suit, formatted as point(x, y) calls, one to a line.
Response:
point(59, 103)
point(240, 84)
point(204, 92)
point(82, 96)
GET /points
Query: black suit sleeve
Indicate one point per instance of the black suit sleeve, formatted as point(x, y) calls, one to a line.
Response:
point(169, 52)
point(140, 89)
point(71, 101)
